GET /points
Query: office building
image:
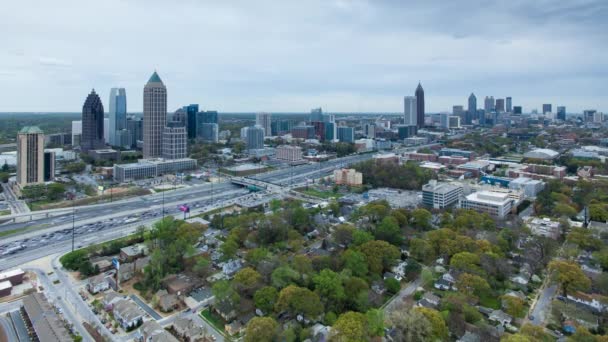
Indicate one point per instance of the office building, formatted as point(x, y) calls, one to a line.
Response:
point(589, 114)
point(489, 105)
point(444, 120)
point(544, 227)
point(454, 122)
point(281, 127)
point(530, 187)
point(264, 120)
point(208, 116)
point(175, 139)
point(76, 132)
point(191, 116)
point(440, 195)
point(517, 110)
point(346, 134)
point(117, 114)
point(348, 177)
point(419, 106)
point(149, 168)
point(547, 108)
point(509, 104)
point(319, 127)
point(459, 112)
point(404, 132)
point(49, 166)
point(208, 132)
point(255, 138)
point(179, 117)
point(454, 152)
point(330, 131)
point(369, 130)
point(303, 132)
point(472, 109)
point(410, 116)
point(289, 153)
point(500, 105)
point(561, 113)
point(316, 114)
point(92, 137)
point(135, 129)
point(155, 116)
point(30, 156)
point(496, 204)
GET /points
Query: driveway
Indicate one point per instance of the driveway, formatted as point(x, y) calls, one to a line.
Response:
point(146, 308)
point(541, 308)
point(398, 300)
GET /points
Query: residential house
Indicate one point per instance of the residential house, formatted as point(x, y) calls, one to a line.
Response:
point(180, 284)
point(469, 337)
point(320, 332)
point(126, 272)
point(592, 301)
point(110, 299)
point(98, 284)
point(130, 253)
point(500, 317)
point(166, 301)
point(103, 265)
point(429, 300)
point(446, 282)
point(225, 309)
point(128, 314)
point(231, 267)
point(234, 327)
point(151, 331)
point(188, 330)
point(141, 263)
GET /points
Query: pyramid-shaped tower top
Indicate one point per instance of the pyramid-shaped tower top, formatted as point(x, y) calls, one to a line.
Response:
point(155, 78)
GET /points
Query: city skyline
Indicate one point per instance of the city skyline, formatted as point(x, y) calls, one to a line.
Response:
point(287, 55)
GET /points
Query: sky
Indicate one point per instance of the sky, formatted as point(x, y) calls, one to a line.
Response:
point(291, 56)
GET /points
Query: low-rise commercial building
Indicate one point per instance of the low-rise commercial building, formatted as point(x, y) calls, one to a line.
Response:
point(530, 187)
point(440, 195)
point(289, 153)
point(149, 168)
point(545, 227)
point(348, 177)
point(495, 204)
point(45, 322)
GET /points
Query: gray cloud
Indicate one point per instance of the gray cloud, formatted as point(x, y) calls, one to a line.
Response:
point(293, 55)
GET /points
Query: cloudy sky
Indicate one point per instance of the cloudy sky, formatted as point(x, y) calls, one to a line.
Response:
point(345, 56)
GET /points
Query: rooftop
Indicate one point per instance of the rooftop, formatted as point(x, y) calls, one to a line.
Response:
point(489, 197)
point(155, 78)
point(30, 130)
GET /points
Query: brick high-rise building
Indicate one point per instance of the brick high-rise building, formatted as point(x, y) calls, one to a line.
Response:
point(30, 156)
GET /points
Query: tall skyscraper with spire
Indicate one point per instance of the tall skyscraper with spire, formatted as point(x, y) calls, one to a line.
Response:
point(472, 110)
point(92, 123)
point(155, 116)
point(419, 105)
point(117, 114)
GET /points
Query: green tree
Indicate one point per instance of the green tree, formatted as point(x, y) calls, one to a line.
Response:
point(256, 255)
point(466, 261)
point(513, 305)
point(283, 276)
point(202, 267)
point(392, 285)
point(355, 261)
point(375, 322)
point(4, 176)
point(472, 285)
point(350, 327)
point(299, 300)
point(569, 276)
point(328, 284)
point(247, 279)
point(380, 255)
point(389, 231)
point(343, 234)
point(422, 219)
point(266, 298)
point(229, 249)
point(438, 327)
point(360, 237)
point(411, 326)
point(261, 329)
point(223, 291)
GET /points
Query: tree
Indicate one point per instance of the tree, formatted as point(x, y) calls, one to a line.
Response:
point(350, 327)
point(513, 305)
point(422, 219)
point(411, 326)
point(389, 231)
point(256, 255)
point(283, 276)
point(266, 298)
point(4, 176)
point(261, 329)
point(466, 261)
point(438, 327)
point(223, 291)
point(602, 258)
point(472, 285)
point(202, 267)
point(584, 239)
point(229, 249)
point(343, 234)
point(569, 276)
point(392, 285)
point(421, 249)
point(355, 261)
point(360, 237)
point(299, 300)
point(375, 322)
point(247, 279)
point(535, 333)
point(380, 255)
point(328, 285)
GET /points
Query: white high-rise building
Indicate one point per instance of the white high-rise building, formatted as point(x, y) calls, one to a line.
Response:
point(155, 116)
point(106, 130)
point(76, 132)
point(409, 111)
point(264, 120)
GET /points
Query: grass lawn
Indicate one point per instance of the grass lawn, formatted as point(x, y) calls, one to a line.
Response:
point(214, 319)
point(5, 212)
point(489, 301)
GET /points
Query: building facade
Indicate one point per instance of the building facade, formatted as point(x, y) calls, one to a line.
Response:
point(289, 153)
point(346, 134)
point(155, 116)
point(264, 120)
point(30, 156)
point(255, 138)
point(410, 116)
point(117, 114)
point(440, 195)
point(509, 104)
point(175, 139)
point(547, 108)
point(500, 105)
point(472, 109)
point(92, 137)
point(208, 132)
point(496, 204)
point(191, 112)
point(348, 177)
point(419, 106)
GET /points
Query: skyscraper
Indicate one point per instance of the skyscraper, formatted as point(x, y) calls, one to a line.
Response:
point(30, 156)
point(179, 117)
point(410, 117)
point(174, 141)
point(547, 108)
point(458, 111)
point(191, 114)
point(117, 113)
point(509, 104)
point(517, 110)
point(264, 120)
point(155, 116)
point(346, 134)
point(419, 105)
point(92, 123)
point(316, 114)
point(135, 130)
point(255, 138)
point(472, 110)
point(489, 105)
point(561, 113)
point(208, 132)
point(500, 105)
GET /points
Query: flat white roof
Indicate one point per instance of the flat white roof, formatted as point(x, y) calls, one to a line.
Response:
point(11, 273)
point(489, 197)
point(5, 285)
